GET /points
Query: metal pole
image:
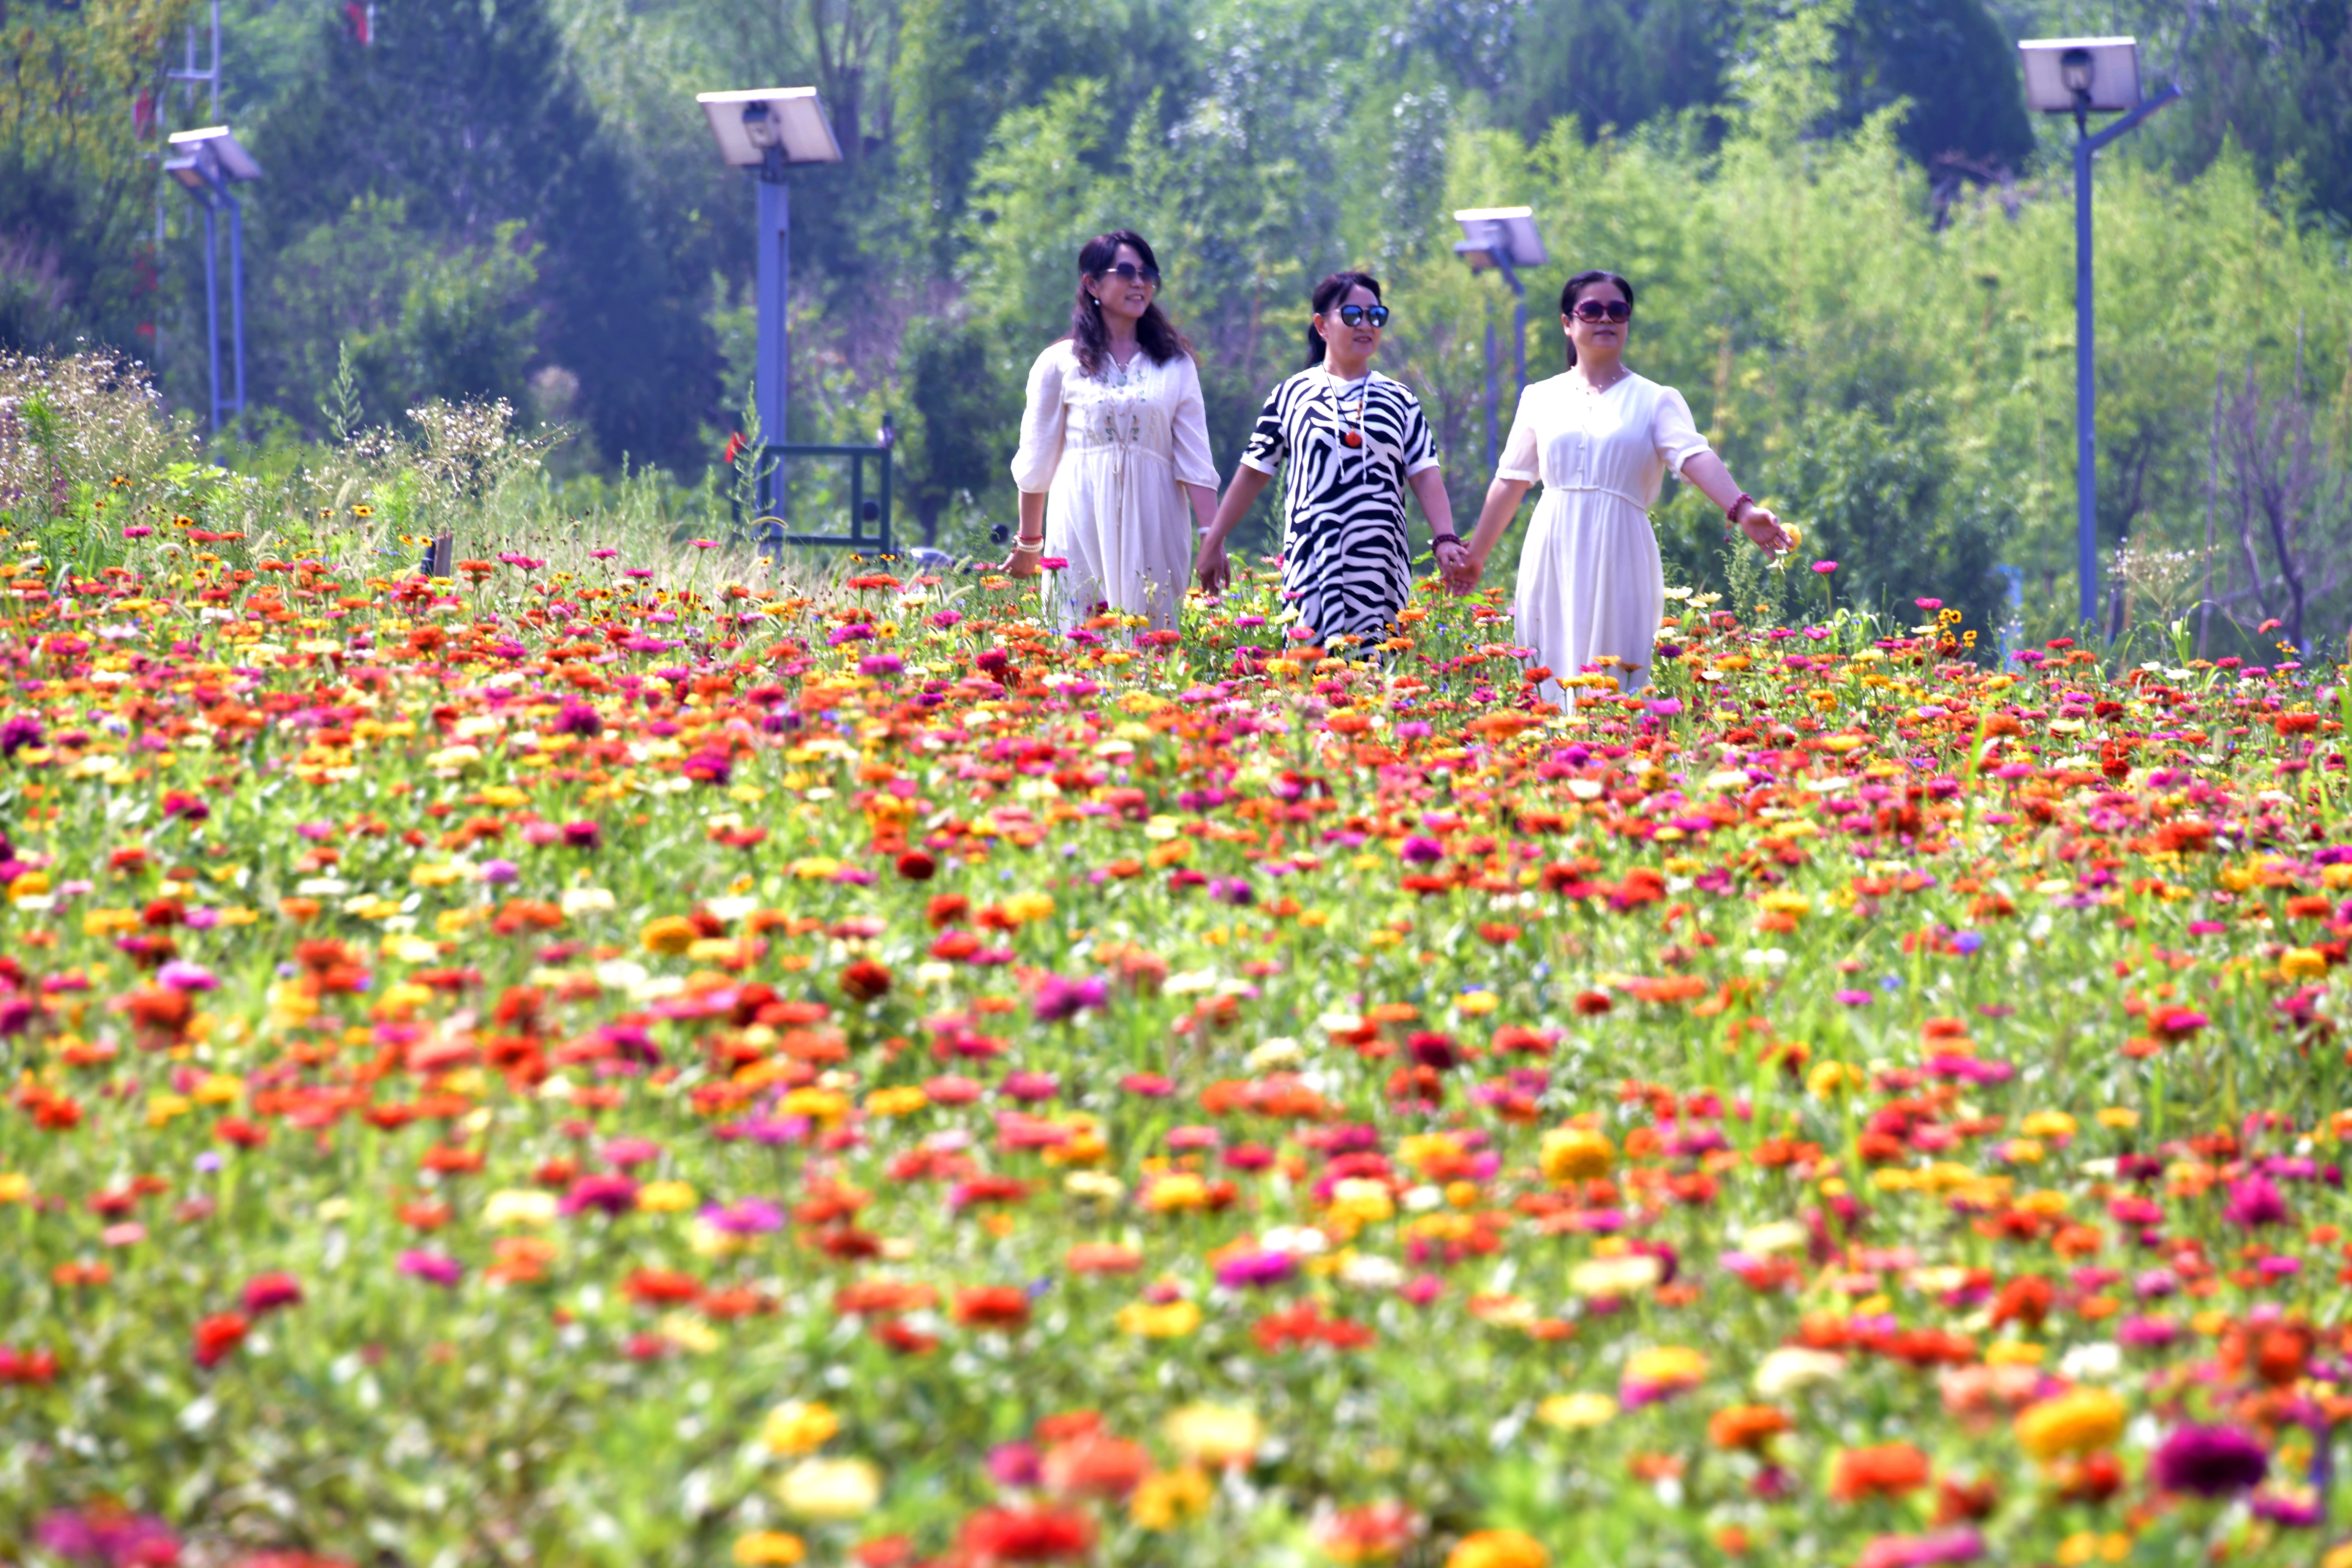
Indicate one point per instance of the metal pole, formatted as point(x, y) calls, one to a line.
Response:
point(211, 312)
point(1494, 447)
point(236, 297)
point(1520, 334)
point(2086, 478)
point(771, 380)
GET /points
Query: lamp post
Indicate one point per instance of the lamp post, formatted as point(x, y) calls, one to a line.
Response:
point(207, 162)
point(766, 130)
point(2083, 77)
point(1503, 239)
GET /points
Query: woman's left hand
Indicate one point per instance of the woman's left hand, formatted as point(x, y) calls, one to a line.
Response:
point(1456, 568)
point(1763, 526)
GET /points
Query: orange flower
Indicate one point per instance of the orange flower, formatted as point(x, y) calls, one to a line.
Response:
point(1889, 1470)
point(1748, 1427)
point(992, 1307)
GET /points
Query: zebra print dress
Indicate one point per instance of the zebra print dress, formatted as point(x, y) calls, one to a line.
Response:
point(1346, 561)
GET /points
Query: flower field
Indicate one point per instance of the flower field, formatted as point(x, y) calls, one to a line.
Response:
point(546, 1069)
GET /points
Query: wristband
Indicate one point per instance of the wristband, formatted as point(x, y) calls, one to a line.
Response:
point(1731, 513)
point(1444, 539)
point(1027, 546)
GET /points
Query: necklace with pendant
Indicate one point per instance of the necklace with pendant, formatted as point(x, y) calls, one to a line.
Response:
point(1351, 439)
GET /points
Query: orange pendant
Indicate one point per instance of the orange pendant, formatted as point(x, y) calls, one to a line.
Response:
point(1351, 439)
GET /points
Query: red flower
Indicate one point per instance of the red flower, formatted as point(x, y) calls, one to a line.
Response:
point(992, 1307)
point(995, 1535)
point(865, 981)
point(735, 445)
point(219, 1334)
point(268, 1293)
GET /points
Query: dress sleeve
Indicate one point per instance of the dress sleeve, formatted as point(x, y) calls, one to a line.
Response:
point(1041, 423)
point(1268, 444)
point(1674, 431)
point(1420, 446)
point(1188, 421)
point(1520, 457)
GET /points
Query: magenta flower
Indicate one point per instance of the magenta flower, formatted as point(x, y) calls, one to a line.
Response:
point(1824, 567)
point(433, 1267)
point(1252, 1269)
point(2209, 1461)
point(268, 1293)
point(2254, 1203)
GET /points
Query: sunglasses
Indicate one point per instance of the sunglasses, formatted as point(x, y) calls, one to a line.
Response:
point(1128, 272)
point(1357, 315)
point(1597, 311)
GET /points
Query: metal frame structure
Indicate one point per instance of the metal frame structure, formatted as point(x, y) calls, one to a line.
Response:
point(770, 534)
point(210, 161)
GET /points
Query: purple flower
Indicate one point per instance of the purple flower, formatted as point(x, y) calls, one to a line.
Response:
point(433, 1267)
point(579, 717)
point(583, 834)
point(498, 872)
point(745, 1216)
point(880, 664)
point(1231, 891)
point(1255, 1268)
point(181, 976)
point(16, 734)
point(609, 1191)
point(2151, 1333)
point(1854, 998)
point(1058, 999)
point(117, 1540)
point(2254, 1203)
point(1016, 1464)
point(2209, 1461)
point(1420, 850)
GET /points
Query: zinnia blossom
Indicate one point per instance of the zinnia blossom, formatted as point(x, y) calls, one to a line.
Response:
point(2209, 1461)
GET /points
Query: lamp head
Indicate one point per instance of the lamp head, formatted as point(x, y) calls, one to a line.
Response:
point(210, 156)
point(2074, 71)
point(2080, 76)
point(756, 127)
point(1503, 234)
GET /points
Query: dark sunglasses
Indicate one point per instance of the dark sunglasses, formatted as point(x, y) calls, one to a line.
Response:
point(1128, 272)
point(1597, 311)
point(1357, 315)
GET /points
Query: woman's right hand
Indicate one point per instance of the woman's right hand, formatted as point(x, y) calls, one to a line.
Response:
point(1463, 576)
point(1213, 569)
point(1024, 560)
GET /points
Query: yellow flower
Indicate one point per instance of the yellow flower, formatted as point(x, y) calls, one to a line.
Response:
point(1180, 1191)
point(1168, 1498)
point(769, 1548)
point(1499, 1549)
point(1027, 907)
point(2048, 1124)
point(2117, 1117)
point(1666, 1366)
point(1215, 1433)
point(799, 1428)
point(1570, 1412)
point(2303, 963)
point(1171, 1320)
point(903, 1100)
point(14, 1187)
point(665, 1197)
point(831, 1488)
point(671, 933)
point(823, 1105)
point(2079, 1421)
point(1575, 1153)
point(1359, 1201)
point(517, 1205)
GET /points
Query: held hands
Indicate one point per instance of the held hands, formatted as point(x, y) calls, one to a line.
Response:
point(1457, 568)
point(1212, 568)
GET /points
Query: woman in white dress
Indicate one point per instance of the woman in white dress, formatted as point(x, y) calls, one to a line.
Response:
point(1602, 440)
point(1114, 446)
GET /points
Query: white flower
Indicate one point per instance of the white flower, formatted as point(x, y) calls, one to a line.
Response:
point(1370, 1271)
point(1793, 1367)
point(2092, 1362)
point(1777, 1235)
point(1277, 1052)
point(578, 901)
point(1615, 1275)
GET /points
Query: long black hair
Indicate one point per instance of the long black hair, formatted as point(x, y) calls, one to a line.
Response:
point(1576, 285)
point(1089, 338)
point(1329, 292)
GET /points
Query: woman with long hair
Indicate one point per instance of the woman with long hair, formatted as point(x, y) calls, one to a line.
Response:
point(1114, 444)
point(1602, 440)
point(1355, 442)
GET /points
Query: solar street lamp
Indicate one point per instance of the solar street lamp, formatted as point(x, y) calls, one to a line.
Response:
point(767, 129)
point(1506, 240)
point(206, 163)
point(2083, 76)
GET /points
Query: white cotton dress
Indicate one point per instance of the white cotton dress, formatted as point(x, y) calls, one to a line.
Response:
point(1590, 580)
point(1109, 452)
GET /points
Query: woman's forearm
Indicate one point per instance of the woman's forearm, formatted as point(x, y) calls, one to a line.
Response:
point(1705, 473)
point(1033, 516)
point(1436, 506)
point(1503, 499)
point(1204, 504)
point(1240, 496)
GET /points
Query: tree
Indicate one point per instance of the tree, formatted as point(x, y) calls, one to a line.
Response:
point(495, 129)
point(1956, 66)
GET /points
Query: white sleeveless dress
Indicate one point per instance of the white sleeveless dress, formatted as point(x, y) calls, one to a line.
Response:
point(1590, 578)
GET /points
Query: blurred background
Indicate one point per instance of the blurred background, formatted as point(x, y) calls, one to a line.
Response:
point(1853, 246)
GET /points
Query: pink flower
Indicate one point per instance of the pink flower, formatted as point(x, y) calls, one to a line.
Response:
point(1824, 567)
point(268, 1293)
point(433, 1267)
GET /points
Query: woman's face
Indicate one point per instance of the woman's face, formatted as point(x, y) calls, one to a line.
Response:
point(1602, 339)
point(1123, 299)
point(1350, 342)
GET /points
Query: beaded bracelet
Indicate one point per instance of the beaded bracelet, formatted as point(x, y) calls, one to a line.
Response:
point(1444, 539)
point(1731, 513)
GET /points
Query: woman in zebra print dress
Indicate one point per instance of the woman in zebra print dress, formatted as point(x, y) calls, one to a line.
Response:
point(1355, 441)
